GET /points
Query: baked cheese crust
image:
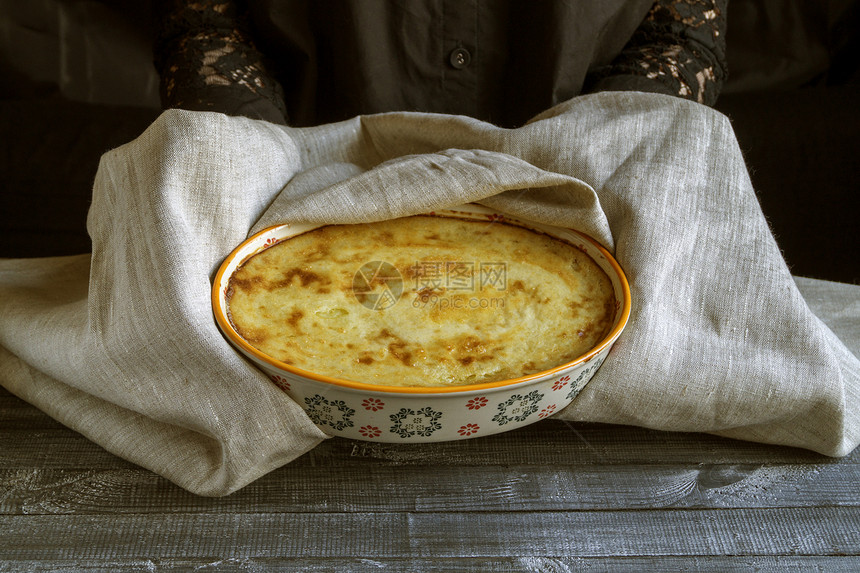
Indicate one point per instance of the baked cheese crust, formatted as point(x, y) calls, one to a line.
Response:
point(422, 301)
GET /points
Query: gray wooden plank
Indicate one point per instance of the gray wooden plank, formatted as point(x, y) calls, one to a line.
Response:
point(368, 487)
point(717, 564)
point(788, 531)
point(560, 442)
point(837, 305)
point(53, 448)
point(827, 531)
point(546, 442)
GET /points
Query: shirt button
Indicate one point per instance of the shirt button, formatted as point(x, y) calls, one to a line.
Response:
point(460, 58)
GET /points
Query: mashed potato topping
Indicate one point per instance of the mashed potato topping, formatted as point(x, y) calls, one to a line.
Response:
point(422, 301)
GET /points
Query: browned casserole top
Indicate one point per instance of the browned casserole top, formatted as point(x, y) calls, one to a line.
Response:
point(422, 301)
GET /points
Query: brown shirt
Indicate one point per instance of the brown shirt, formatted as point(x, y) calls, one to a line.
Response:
point(503, 61)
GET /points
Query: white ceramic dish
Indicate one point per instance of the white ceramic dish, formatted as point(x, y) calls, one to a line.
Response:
point(428, 414)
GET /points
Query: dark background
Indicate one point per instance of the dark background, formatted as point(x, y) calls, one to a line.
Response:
point(77, 80)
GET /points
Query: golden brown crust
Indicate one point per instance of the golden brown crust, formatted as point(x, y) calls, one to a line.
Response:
point(422, 301)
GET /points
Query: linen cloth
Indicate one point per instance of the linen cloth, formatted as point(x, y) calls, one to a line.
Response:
point(122, 345)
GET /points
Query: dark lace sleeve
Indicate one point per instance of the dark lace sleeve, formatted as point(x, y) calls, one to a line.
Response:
point(207, 61)
point(679, 49)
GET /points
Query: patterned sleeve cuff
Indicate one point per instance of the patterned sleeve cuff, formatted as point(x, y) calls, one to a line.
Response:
point(207, 61)
point(680, 48)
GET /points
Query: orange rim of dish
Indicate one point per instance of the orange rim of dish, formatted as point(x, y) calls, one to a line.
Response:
point(237, 339)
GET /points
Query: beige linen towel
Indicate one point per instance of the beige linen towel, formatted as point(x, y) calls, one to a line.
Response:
point(122, 346)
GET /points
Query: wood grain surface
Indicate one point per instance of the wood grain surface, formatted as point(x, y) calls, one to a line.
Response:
point(555, 496)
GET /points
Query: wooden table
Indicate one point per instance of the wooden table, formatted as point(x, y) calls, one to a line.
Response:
point(555, 496)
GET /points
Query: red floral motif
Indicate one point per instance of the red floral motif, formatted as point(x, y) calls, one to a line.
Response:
point(561, 383)
point(373, 404)
point(495, 217)
point(370, 431)
point(547, 411)
point(477, 403)
point(468, 429)
point(281, 382)
point(270, 241)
